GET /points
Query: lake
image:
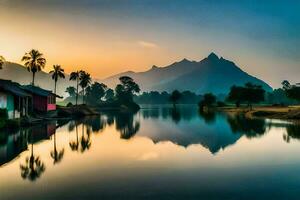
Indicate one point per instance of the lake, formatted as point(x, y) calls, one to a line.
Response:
point(157, 153)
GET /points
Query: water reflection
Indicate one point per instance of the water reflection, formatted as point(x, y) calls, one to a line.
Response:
point(293, 132)
point(208, 116)
point(183, 126)
point(33, 167)
point(247, 126)
point(56, 155)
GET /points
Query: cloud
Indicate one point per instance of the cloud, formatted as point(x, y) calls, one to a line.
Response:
point(147, 44)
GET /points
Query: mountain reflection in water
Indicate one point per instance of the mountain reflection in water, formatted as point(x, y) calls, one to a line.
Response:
point(184, 126)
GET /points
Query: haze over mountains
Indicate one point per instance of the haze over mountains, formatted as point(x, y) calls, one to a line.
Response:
point(20, 74)
point(212, 74)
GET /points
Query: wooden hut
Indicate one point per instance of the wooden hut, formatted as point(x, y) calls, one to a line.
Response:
point(14, 99)
point(42, 100)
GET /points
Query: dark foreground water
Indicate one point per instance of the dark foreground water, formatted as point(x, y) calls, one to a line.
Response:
point(158, 153)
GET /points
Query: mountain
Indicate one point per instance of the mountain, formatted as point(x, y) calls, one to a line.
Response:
point(212, 74)
point(19, 74)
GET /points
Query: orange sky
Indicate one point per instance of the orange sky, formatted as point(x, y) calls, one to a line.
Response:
point(109, 40)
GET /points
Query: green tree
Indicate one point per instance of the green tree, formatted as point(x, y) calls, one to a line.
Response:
point(208, 100)
point(249, 94)
point(85, 81)
point(57, 72)
point(34, 61)
point(109, 94)
point(292, 91)
point(175, 96)
point(2, 61)
point(71, 91)
point(75, 76)
point(126, 90)
point(95, 93)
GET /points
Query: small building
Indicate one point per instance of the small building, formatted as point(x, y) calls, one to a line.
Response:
point(42, 100)
point(14, 99)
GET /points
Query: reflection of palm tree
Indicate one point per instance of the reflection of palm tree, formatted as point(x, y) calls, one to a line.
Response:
point(33, 167)
point(74, 145)
point(85, 141)
point(56, 155)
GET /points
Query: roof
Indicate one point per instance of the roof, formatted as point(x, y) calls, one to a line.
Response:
point(38, 91)
point(14, 88)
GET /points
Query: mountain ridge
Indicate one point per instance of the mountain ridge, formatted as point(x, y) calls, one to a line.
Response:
point(211, 74)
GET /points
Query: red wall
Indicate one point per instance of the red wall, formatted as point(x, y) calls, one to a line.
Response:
point(41, 104)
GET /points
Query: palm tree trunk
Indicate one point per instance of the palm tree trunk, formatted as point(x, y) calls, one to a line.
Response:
point(33, 77)
point(55, 87)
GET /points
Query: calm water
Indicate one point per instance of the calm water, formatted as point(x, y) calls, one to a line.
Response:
point(158, 153)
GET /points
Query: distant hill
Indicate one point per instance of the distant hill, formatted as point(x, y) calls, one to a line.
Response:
point(19, 73)
point(212, 74)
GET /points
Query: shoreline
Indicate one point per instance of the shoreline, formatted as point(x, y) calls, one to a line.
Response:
point(269, 112)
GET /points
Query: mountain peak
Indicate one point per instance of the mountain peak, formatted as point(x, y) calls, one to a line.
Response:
point(184, 60)
point(213, 56)
point(154, 67)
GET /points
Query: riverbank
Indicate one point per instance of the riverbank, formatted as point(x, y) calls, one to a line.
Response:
point(272, 112)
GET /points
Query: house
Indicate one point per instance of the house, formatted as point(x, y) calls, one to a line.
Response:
point(14, 99)
point(42, 100)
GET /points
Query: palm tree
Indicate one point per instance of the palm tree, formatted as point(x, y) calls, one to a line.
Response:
point(85, 81)
point(34, 61)
point(57, 72)
point(56, 155)
point(75, 77)
point(2, 61)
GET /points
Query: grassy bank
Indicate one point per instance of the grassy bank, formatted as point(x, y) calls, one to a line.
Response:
point(272, 112)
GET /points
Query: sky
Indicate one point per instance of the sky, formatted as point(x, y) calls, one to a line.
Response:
point(105, 37)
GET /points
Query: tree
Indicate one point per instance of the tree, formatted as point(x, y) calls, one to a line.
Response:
point(292, 91)
point(175, 96)
point(71, 91)
point(85, 81)
point(249, 94)
point(57, 72)
point(126, 90)
point(208, 100)
point(34, 61)
point(95, 92)
point(74, 76)
point(109, 94)
point(2, 61)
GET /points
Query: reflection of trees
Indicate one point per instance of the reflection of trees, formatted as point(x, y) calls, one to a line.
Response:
point(95, 123)
point(293, 131)
point(85, 141)
point(250, 127)
point(126, 124)
point(208, 115)
point(33, 167)
point(56, 155)
point(175, 114)
point(74, 145)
